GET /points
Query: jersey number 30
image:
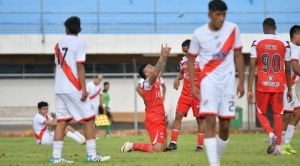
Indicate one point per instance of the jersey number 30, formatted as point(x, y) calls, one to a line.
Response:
point(274, 63)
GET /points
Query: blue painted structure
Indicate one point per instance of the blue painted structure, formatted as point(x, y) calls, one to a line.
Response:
point(139, 16)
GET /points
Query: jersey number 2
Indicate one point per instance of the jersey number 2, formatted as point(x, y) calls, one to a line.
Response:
point(63, 59)
point(275, 62)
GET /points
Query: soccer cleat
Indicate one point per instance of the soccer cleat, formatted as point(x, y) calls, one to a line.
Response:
point(60, 160)
point(199, 149)
point(272, 143)
point(284, 152)
point(277, 152)
point(172, 146)
point(288, 148)
point(126, 147)
point(96, 158)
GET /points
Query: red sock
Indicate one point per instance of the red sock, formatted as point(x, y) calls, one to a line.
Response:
point(142, 147)
point(200, 139)
point(174, 135)
point(278, 127)
point(264, 122)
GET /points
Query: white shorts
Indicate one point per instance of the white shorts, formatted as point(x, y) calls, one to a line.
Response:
point(69, 106)
point(218, 101)
point(294, 104)
point(47, 139)
point(95, 108)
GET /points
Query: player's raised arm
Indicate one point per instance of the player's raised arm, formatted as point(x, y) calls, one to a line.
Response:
point(161, 64)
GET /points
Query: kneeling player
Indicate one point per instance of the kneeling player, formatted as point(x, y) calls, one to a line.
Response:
point(155, 112)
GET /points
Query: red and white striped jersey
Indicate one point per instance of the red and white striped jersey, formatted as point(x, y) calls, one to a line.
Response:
point(39, 126)
point(271, 52)
point(216, 52)
point(69, 51)
point(94, 92)
point(186, 89)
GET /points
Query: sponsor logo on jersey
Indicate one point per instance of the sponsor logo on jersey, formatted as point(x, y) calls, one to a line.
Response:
point(270, 82)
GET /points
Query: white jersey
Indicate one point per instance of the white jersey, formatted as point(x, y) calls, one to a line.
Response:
point(69, 51)
point(39, 126)
point(295, 56)
point(94, 92)
point(216, 52)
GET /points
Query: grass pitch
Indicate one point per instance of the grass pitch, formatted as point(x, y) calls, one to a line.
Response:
point(243, 150)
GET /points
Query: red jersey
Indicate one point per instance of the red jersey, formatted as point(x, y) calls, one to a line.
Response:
point(271, 52)
point(153, 100)
point(186, 89)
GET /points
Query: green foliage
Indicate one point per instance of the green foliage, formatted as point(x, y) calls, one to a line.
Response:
point(243, 149)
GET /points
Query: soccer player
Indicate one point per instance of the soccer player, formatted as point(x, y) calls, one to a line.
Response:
point(71, 94)
point(186, 100)
point(271, 55)
point(155, 112)
point(161, 82)
point(288, 122)
point(105, 102)
point(94, 89)
point(42, 121)
point(218, 45)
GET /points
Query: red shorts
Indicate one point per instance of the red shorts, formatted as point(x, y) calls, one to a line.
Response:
point(157, 131)
point(185, 103)
point(275, 99)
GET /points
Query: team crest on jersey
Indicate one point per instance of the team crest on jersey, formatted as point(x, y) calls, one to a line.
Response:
point(270, 77)
point(218, 44)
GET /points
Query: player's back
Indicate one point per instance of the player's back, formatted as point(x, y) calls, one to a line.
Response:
point(69, 51)
point(271, 52)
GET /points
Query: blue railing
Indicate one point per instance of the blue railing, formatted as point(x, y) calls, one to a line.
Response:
point(139, 16)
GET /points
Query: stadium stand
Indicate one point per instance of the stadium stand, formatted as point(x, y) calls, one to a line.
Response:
point(137, 17)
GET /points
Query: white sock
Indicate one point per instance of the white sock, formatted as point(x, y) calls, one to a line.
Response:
point(91, 147)
point(289, 133)
point(73, 136)
point(57, 148)
point(79, 135)
point(271, 134)
point(221, 146)
point(131, 145)
point(283, 137)
point(211, 150)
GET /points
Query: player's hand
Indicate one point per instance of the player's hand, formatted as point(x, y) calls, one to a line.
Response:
point(196, 92)
point(53, 115)
point(165, 51)
point(176, 84)
point(289, 96)
point(240, 90)
point(84, 95)
point(250, 97)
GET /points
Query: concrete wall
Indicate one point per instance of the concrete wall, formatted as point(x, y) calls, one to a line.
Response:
point(28, 92)
point(106, 44)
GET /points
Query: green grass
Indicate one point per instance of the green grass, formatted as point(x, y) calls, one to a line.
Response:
point(243, 149)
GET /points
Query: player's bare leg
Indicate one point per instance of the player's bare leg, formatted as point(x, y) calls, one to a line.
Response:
point(175, 131)
point(201, 130)
point(210, 139)
point(223, 137)
point(290, 132)
point(89, 131)
point(59, 135)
